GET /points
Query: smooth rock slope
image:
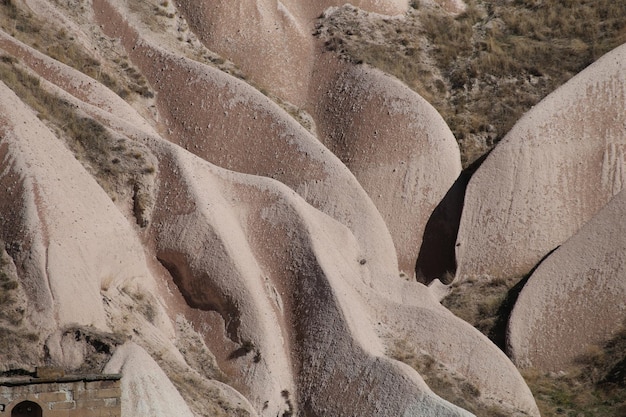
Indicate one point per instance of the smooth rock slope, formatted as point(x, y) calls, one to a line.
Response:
point(232, 261)
point(560, 164)
point(576, 299)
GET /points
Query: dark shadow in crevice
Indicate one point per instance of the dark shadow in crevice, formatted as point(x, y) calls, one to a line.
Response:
point(437, 257)
point(200, 292)
point(498, 333)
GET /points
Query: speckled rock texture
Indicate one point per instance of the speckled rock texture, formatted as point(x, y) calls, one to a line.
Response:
point(234, 261)
point(560, 164)
point(576, 298)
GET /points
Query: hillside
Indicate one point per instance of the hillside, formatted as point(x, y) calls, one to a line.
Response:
point(261, 208)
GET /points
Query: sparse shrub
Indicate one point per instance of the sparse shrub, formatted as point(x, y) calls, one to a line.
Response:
point(447, 384)
point(60, 45)
point(485, 304)
point(114, 165)
point(492, 63)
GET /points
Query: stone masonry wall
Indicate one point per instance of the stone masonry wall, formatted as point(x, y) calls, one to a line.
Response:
point(78, 398)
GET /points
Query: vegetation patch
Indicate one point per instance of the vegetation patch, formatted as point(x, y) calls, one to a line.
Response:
point(594, 386)
point(484, 68)
point(485, 304)
point(449, 385)
point(63, 47)
point(20, 346)
point(116, 163)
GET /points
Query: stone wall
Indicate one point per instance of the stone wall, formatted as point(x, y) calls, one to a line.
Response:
point(85, 396)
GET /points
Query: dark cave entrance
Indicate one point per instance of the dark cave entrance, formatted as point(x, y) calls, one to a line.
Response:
point(26, 409)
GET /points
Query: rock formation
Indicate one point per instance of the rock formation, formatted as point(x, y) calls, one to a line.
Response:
point(560, 164)
point(227, 214)
point(576, 298)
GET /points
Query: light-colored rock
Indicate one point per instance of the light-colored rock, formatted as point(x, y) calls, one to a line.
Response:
point(456, 345)
point(242, 130)
point(146, 389)
point(269, 39)
point(576, 298)
point(260, 238)
point(56, 212)
point(560, 164)
point(269, 265)
point(396, 144)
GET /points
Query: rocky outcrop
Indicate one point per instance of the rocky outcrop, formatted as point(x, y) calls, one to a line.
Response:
point(270, 40)
point(249, 265)
point(560, 164)
point(68, 239)
point(147, 389)
point(387, 135)
point(575, 299)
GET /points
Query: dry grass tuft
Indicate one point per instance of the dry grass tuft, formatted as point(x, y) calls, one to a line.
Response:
point(487, 66)
point(20, 346)
point(63, 47)
point(123, 168)
point(485, 304)
point(449, 385)
point(594, 386)
point(117, 164)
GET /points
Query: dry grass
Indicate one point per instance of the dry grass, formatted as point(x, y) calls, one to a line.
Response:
point(483, 68)
point(594, 386)
point(62, 46)
point(485, 304)
point(20, 347)
point(10, 312)
point(451, 386)
point(115, 163)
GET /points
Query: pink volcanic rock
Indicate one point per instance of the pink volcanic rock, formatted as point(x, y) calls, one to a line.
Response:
point(577, 296)
point(269, 39)
point(292, 284)
point(287, 278)
point(226, 122)
point(396, 144)
point(146, 389)
point(288, 282)
point(70, 239)
point(560, 164)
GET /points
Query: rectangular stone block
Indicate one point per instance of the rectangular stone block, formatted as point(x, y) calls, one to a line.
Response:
point(85, 412)
point(58, 413)
point(90, 403)
point(53, 396)
point(63, 405)
point(91, 385)
point(98, 393)
point(102, 384)
point(50, 372)
point(112, 402)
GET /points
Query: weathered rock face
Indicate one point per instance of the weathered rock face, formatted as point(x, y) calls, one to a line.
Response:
point(561, 163)
point(147, 388)
point(576, 298)
point(386, 135)
point(248, 264)
point(270, 40)
point(51, 205)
